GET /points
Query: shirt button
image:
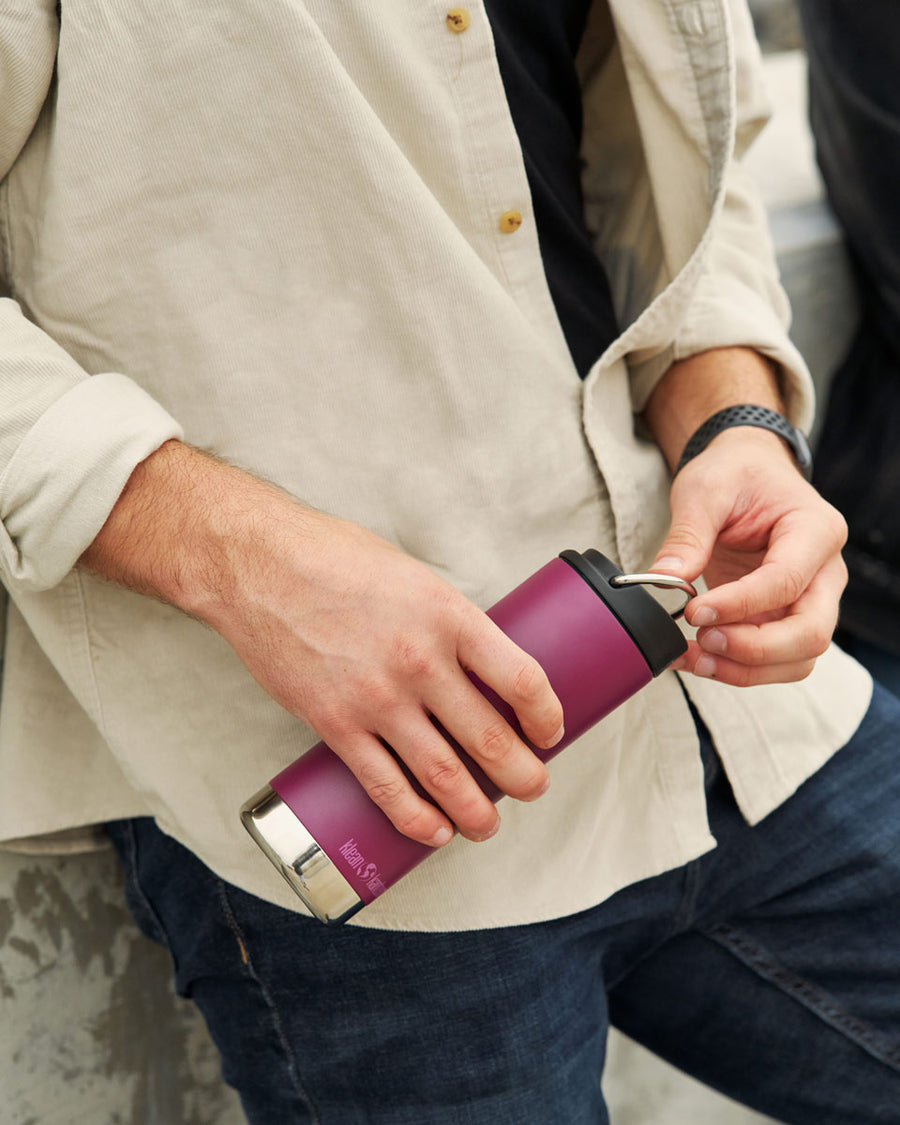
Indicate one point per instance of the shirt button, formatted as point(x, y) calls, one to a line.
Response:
point(510, 221)
point(458, 19)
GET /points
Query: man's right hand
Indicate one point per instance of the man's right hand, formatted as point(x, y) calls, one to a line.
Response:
point(357, 639)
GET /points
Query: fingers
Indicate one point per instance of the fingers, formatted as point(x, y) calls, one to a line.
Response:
point(488, 739)
point(728, 671)
point(445, 691)
point(517, 678)
point(802, 545)
point(778, 649)
point(384, 781)
point(691, 538)
point(485, 736)
point(491, 742)
point(444, 775)
point(769, 548)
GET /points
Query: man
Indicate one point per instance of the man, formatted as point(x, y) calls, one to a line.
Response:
point(347, 249)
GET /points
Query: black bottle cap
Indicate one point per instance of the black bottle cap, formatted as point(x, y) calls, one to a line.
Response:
point(648, 623)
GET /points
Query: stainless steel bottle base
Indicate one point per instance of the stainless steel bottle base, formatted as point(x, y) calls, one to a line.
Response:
point(298, 857)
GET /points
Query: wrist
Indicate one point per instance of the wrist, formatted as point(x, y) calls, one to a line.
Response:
point(694, 389)
point(753, 418)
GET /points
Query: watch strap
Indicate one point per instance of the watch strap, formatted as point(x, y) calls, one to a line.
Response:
point(748, 415)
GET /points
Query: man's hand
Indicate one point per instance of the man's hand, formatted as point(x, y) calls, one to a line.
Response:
point(360, 641)
point(743, 516)
point(769, 548)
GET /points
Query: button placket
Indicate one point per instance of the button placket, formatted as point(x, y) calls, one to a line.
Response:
point(497, 185)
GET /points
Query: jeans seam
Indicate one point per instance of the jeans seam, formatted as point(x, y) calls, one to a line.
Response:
point(688, 904)
point(269, 1000)
point(138, 889)
point(812, 998)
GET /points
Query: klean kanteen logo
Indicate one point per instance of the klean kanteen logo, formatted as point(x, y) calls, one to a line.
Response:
point(356, 861)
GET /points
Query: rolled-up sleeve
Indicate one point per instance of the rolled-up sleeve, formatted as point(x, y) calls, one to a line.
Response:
point(736, 298)
point(739, 298)
point(69, 440)
point(739, 301)
point(68, 443)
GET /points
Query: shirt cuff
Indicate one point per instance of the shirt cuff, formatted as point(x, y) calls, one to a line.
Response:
point(69, 470)
point(736, 316)
point(739, 316)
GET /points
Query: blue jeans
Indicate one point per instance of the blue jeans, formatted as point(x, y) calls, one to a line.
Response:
point(884, 665)
point(769, 969)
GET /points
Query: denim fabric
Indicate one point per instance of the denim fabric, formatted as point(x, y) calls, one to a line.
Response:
point(883, 665)
point(769, 968)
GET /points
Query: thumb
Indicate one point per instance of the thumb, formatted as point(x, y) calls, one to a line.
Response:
point(692, 535)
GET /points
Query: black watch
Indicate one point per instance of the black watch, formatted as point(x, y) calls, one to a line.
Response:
point(759, 416)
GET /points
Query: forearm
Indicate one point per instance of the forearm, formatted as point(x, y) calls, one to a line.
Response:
point(696, 388)
point(179, 526)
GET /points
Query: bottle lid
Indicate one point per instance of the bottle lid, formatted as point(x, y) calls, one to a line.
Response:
point(649, 624)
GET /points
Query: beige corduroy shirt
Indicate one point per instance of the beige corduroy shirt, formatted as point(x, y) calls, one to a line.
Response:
point(275, 229)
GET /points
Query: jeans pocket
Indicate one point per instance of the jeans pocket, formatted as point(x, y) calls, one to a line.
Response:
point(124, 838)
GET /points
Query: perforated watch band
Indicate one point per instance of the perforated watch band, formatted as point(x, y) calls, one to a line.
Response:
point(746, 415)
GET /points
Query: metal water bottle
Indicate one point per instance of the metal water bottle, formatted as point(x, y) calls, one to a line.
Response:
point(598, 636)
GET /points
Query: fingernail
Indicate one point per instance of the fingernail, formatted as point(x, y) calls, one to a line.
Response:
point(705, 615)
point(668, 563)
point(543, 789)
point(556, 738)
point(705, 666)
point(491, 832)
point(442, 836)
point(714, 641)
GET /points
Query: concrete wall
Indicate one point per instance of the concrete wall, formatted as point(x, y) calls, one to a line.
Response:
point(91, 1032)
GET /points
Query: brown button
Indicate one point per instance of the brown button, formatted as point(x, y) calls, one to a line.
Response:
point(510, 221)
point(458, 19)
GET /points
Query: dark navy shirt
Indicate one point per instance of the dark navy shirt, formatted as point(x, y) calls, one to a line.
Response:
point(536, 42)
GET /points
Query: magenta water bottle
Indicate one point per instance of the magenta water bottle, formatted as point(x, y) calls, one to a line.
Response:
point(598, 636)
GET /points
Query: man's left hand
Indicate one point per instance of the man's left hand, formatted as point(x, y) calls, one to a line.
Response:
point(768, 547)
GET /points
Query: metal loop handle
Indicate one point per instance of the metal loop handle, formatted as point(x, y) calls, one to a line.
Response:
point(662, 582)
